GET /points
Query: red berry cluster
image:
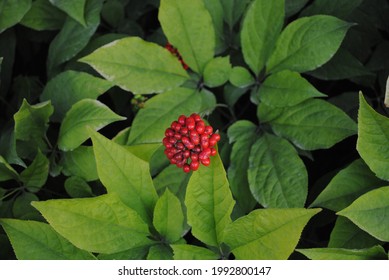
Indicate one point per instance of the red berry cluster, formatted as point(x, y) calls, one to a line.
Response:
point(175, 52)
point(189, 142)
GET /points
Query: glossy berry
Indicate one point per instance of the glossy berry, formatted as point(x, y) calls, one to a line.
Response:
point(189, 142)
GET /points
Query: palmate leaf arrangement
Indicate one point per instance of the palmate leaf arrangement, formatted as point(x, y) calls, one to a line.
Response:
point(256, 209)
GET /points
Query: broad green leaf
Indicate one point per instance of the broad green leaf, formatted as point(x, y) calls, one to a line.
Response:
point(33, 240)
point(310, 125)
point(43, 16)
point(286, 88)
point(261, 27)
point(267, 234)
point(168, 218)
point(160, 252)
point(307, 43)
point(35, 175)
point(22, 208)
point(369, 212)
point(209, 202)
point(158, 113)
point(113, 13)
point(150, 68)
point(208, 102)
point(373, 253)
point(340, 8)
point(125, 174)
point(144, 151)
point(73, 37)
point(74, 8)
point(31, 123)
point(243, 135)
point(137, 253)
point(191, 252)
point(215, 9)
point(241, 77)
point(69, 87)
point(100, 224)
point(80, 162)
point(233, 10)
point(171, 178)
point(188, 26)
point(347, 235)
point(6, 171)
point(293, 6)
point(232, 94)
point(343, 65)
point(277, 176)
point(350, 183)
point(373, 137)
point(77, 187)
point(85, 114)
point(217, 71)
point(12, 12)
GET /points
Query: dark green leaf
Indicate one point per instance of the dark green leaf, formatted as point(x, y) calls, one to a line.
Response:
point(79, 219)
point(373, 253)
point(12, 12)
point(150, 68)
point(188, 26)
point(6, 171)
point(160, 252)
point(35, 176)
point(33, 240)
point(76, 187)
point(80, 162)
point(261, 27)
point(276, 174)
point(74, 8)
point(339, 8)
point(233, 10)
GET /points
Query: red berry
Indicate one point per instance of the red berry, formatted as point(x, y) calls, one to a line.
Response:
point(169, 132)
point(177, 136)
point(216, 137)
point(213, 152)
point(196, 117)
point(186, 154)
point(203, 155)
point(180, 146)
point(184, 130)
point(208, 130)
point(207, 151)
point(194, 165)
point(194, 157)
point(200, 126)
point(181, 120)
point(186, 168)
point(206, 161)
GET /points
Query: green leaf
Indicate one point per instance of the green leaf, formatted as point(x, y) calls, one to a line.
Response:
point(69, 87)
point(217, 71)
point(350, 183)
point(144, 151)
point(340, 8)
point(43, 16)
point(343, 65)
point(369, 212)
point(22, 208)
point(168, 218)
point(286, 88)
point(243, 134)
point(307, 43)
point(31, 123)
point(35, 175)
point(261, 27)
point(310, 125)
point(80, 162)
point(77, 187)
point(150, 68)
point(191, 252)
point(293, 6)
point(85, 114)
point(12, 12)
point(276, 174)
point(241, 77)
point(347, 235)
point(125, 174)
point(267, 234)
point(151, 122)
point(233, 10)
point(373, 253)
point(6, 171)
point(100, 224)
point(160, 252)
point(73, 37)
point(171, 178)
point(188, 26)
point(373, 137)
point(74, 8)
point(33, 240)
point(136, 253)
point(209, 202)
point(215, 9)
